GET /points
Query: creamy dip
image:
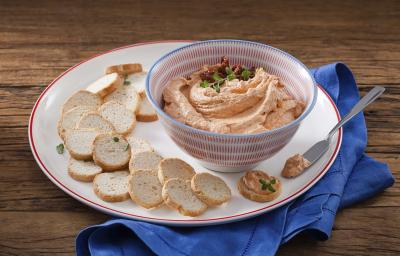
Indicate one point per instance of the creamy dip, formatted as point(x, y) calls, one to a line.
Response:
point(294, 166)
point(260, 183)
point(238, 101)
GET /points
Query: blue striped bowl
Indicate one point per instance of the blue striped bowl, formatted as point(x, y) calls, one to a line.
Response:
point(230, 152)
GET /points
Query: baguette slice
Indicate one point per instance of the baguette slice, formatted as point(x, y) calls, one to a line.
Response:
point(178, 195)
point(95, 121)
point(82, 98)
point(105, 85)
point(138, 81)
point(210, 189)
point(174, 168)
point(247, 193)
point(147, 160)
point(79, 143)
point(70, 119)
point(145, 188)
point(138, 145)
point(123, 120)
point(112, 186)
point(111, 151)
point(125, 69)
point(127, 96)
point(83, 170)
point(146, 112)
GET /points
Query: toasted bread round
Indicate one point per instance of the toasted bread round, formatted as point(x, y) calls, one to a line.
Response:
point(145, 188)
point(178, 195)
point(146, 112)
point(112, 186)
point(79, 143)
point(127, 96)
point(138, 81)
point(257, 197)
point(125, 69)
point(82, 98)
point(70, 119)
point(210, 189)
point(111, 151)
point(106, 84)
point(93, 120)
point(138, 145)
point(83, 170)
point(119, 116)
point(146, 160)
point(174, 168)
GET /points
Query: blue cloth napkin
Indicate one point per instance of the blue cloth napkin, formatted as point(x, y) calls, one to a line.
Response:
point(353, 177)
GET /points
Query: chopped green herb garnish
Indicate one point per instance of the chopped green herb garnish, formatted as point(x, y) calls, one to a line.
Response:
point(127, 147)
point(219, 81)
point(216, 85)
point(265, 185)
point(126, 81)
point(204, 84)
point(217, 88)
point(230, 77)
point(270, 188)
point(116, 139)
point(246, 74)
point(216, 77)
point(60, 148)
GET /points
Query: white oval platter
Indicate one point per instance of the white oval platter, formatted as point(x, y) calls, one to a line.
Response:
point(43, 139)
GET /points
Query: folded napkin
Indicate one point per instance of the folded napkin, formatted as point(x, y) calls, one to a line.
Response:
point(353, 177)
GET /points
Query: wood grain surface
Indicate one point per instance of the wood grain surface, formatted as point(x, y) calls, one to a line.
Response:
point(41, 39)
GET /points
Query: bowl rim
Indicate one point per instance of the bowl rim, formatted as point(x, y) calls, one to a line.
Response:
point(229, 135)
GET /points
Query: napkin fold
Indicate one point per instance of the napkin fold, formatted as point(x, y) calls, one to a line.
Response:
point(353, 177)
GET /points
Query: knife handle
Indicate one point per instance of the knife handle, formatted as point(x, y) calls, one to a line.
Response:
point(370, 97)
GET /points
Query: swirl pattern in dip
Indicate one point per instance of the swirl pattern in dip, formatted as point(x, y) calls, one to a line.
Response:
point(231, 99)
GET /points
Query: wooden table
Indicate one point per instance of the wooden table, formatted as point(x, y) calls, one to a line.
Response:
point(41, 39)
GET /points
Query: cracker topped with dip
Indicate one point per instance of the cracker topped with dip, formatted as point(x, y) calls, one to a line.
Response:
point(259, 186)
